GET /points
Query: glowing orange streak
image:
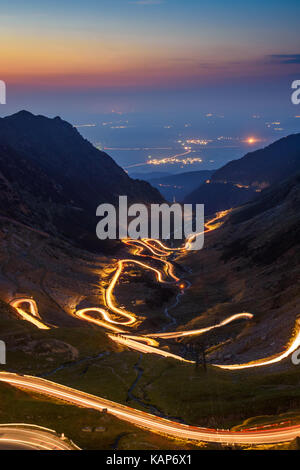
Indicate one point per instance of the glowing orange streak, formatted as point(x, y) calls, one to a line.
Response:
point(109, 290)
point(153, 423)
point(82, 314)
point(148, 241)
point(138, 249)
point(26, 443)
point(34, 436)
point(200, 331)
point(146, 266)
point(145, 348)
point(146, 420)
point(33, 317)
point(143, 339)
point(170, 267)
point(218, 216)
point(265, 362)
point(170, 270)
point(132, 341)
point(154, 251)
point(127, 341)
point(109, 295)
point(166, 250)
point(149, 349)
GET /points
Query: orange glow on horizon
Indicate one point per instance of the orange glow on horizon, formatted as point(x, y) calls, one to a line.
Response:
point(251, 140)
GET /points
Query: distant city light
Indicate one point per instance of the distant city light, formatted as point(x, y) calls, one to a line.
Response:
point(172, 160)
point(84, 125)
point(251, 140)
point(198, 141)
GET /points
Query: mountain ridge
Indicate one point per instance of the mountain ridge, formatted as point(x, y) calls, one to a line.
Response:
point(53, 178)
point(240, 180)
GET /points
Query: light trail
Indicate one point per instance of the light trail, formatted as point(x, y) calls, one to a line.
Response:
point(109, 290)
point(133, 342)
point(145, 244)
point(150, 346)
point(83, 314)
point(29, 436)
point(33, 317)
point(143, 339)
point(200, 331)
point(165, 250)
point(208, 227)
point(145, 348)
point(146, 420)
point(295, 344)
point(109, 296)
point(147, 344)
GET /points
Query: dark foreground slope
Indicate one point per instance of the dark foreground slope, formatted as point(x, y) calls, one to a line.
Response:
point(52, 178)
point(240, 180)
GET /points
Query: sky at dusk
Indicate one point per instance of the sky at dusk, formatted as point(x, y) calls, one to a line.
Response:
point(168, 59)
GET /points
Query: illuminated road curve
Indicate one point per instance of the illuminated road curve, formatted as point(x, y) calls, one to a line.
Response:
point(137, 342)
point(31, 437)
point(34, 316)
point(295, 344)
point(147, 344)
point(164, 250)
point(109, 291)
point(200, 331)
point(133, 342)
point(150, 422)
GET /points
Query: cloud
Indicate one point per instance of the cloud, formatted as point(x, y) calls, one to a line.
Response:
point(285, 58)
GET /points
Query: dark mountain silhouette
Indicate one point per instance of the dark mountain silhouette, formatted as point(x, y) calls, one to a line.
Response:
point(274, 218)
point(240, 180)
point(219, 196)
point(53, 179)
point(179, 185)
point(250, 264)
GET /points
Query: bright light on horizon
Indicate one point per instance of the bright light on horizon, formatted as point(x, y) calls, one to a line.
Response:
point(251, 140)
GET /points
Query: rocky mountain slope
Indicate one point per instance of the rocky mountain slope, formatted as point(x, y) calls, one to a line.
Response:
point(250, 264)
point(240, 180)
point(53, 179)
